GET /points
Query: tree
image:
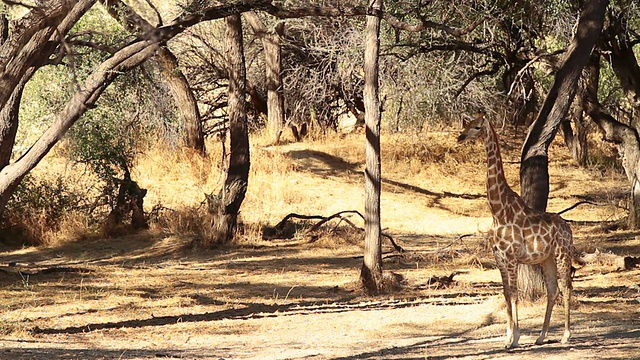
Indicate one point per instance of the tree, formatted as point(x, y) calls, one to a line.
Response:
point(624, 136)
point(37, 33)
point(534, 171)
point(225, 206)
point(617, 46)
point(534, 174)
point(371, 273)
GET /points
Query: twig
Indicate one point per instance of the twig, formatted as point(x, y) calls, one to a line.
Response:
point(576, 205)
point(527, 65)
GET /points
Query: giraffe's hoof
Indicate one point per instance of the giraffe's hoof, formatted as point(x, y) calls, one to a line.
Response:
point(512, 339)
point(510, 344)
point(565, 338)
point(540, 341)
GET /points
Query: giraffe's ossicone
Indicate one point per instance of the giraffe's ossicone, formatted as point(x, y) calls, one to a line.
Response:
point(521, 235)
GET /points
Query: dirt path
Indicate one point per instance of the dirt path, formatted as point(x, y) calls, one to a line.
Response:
point(291, 301)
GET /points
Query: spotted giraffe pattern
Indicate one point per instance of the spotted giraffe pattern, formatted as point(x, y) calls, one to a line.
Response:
point(521, 235)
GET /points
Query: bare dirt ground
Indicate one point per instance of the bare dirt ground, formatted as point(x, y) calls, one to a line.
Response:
point(155, 295)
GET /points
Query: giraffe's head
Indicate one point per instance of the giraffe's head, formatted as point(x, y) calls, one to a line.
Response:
point(473, 130)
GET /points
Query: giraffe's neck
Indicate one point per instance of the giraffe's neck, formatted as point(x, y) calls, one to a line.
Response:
point(501, 197)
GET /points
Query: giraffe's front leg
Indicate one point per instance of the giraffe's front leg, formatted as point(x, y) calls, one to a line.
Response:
point(509, 273)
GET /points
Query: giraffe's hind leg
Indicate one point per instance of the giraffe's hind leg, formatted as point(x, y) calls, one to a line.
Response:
point(566, 288)
point(550, 272)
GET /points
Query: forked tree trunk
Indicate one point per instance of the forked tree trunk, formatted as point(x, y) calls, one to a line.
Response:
point(534, 163)
point(371, 273)
point(226, 205)
point(8, 129)
point(23, 48)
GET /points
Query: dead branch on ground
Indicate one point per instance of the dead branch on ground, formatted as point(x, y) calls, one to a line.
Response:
point(280, 230)
point(576, 205)
point(439, 282)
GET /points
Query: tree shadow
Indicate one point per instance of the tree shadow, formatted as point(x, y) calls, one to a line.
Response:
point(324, 164)
point(458, 346)
point(259, 310)
point(25, 352)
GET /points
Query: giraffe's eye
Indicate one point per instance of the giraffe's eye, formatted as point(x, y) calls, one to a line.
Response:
point(478, 128)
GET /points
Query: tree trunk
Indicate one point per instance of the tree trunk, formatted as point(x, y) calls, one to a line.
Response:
point(275, 90)
point(628, 143)
point(170, 74)
point(183, 98)
point(273, 63)
point(226, 205)
point(577, 141)
point(371, 273)
point(9, 113)
point(534, 163)
point(129, 205)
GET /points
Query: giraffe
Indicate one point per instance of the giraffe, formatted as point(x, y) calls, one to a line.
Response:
point(521, 235)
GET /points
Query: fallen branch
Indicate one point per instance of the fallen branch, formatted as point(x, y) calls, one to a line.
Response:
point(439, 282)
point(278, 231)
point(576, 205)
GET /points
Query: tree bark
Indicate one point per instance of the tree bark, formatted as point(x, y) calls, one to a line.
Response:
point(9, 113)
point(226, 205)
point(20, 57)
point(22, 48)
point(371, 273)
point(273, 63)
point(534, 162)
point(576, 140)
point(9, 116)
point(171, 74)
